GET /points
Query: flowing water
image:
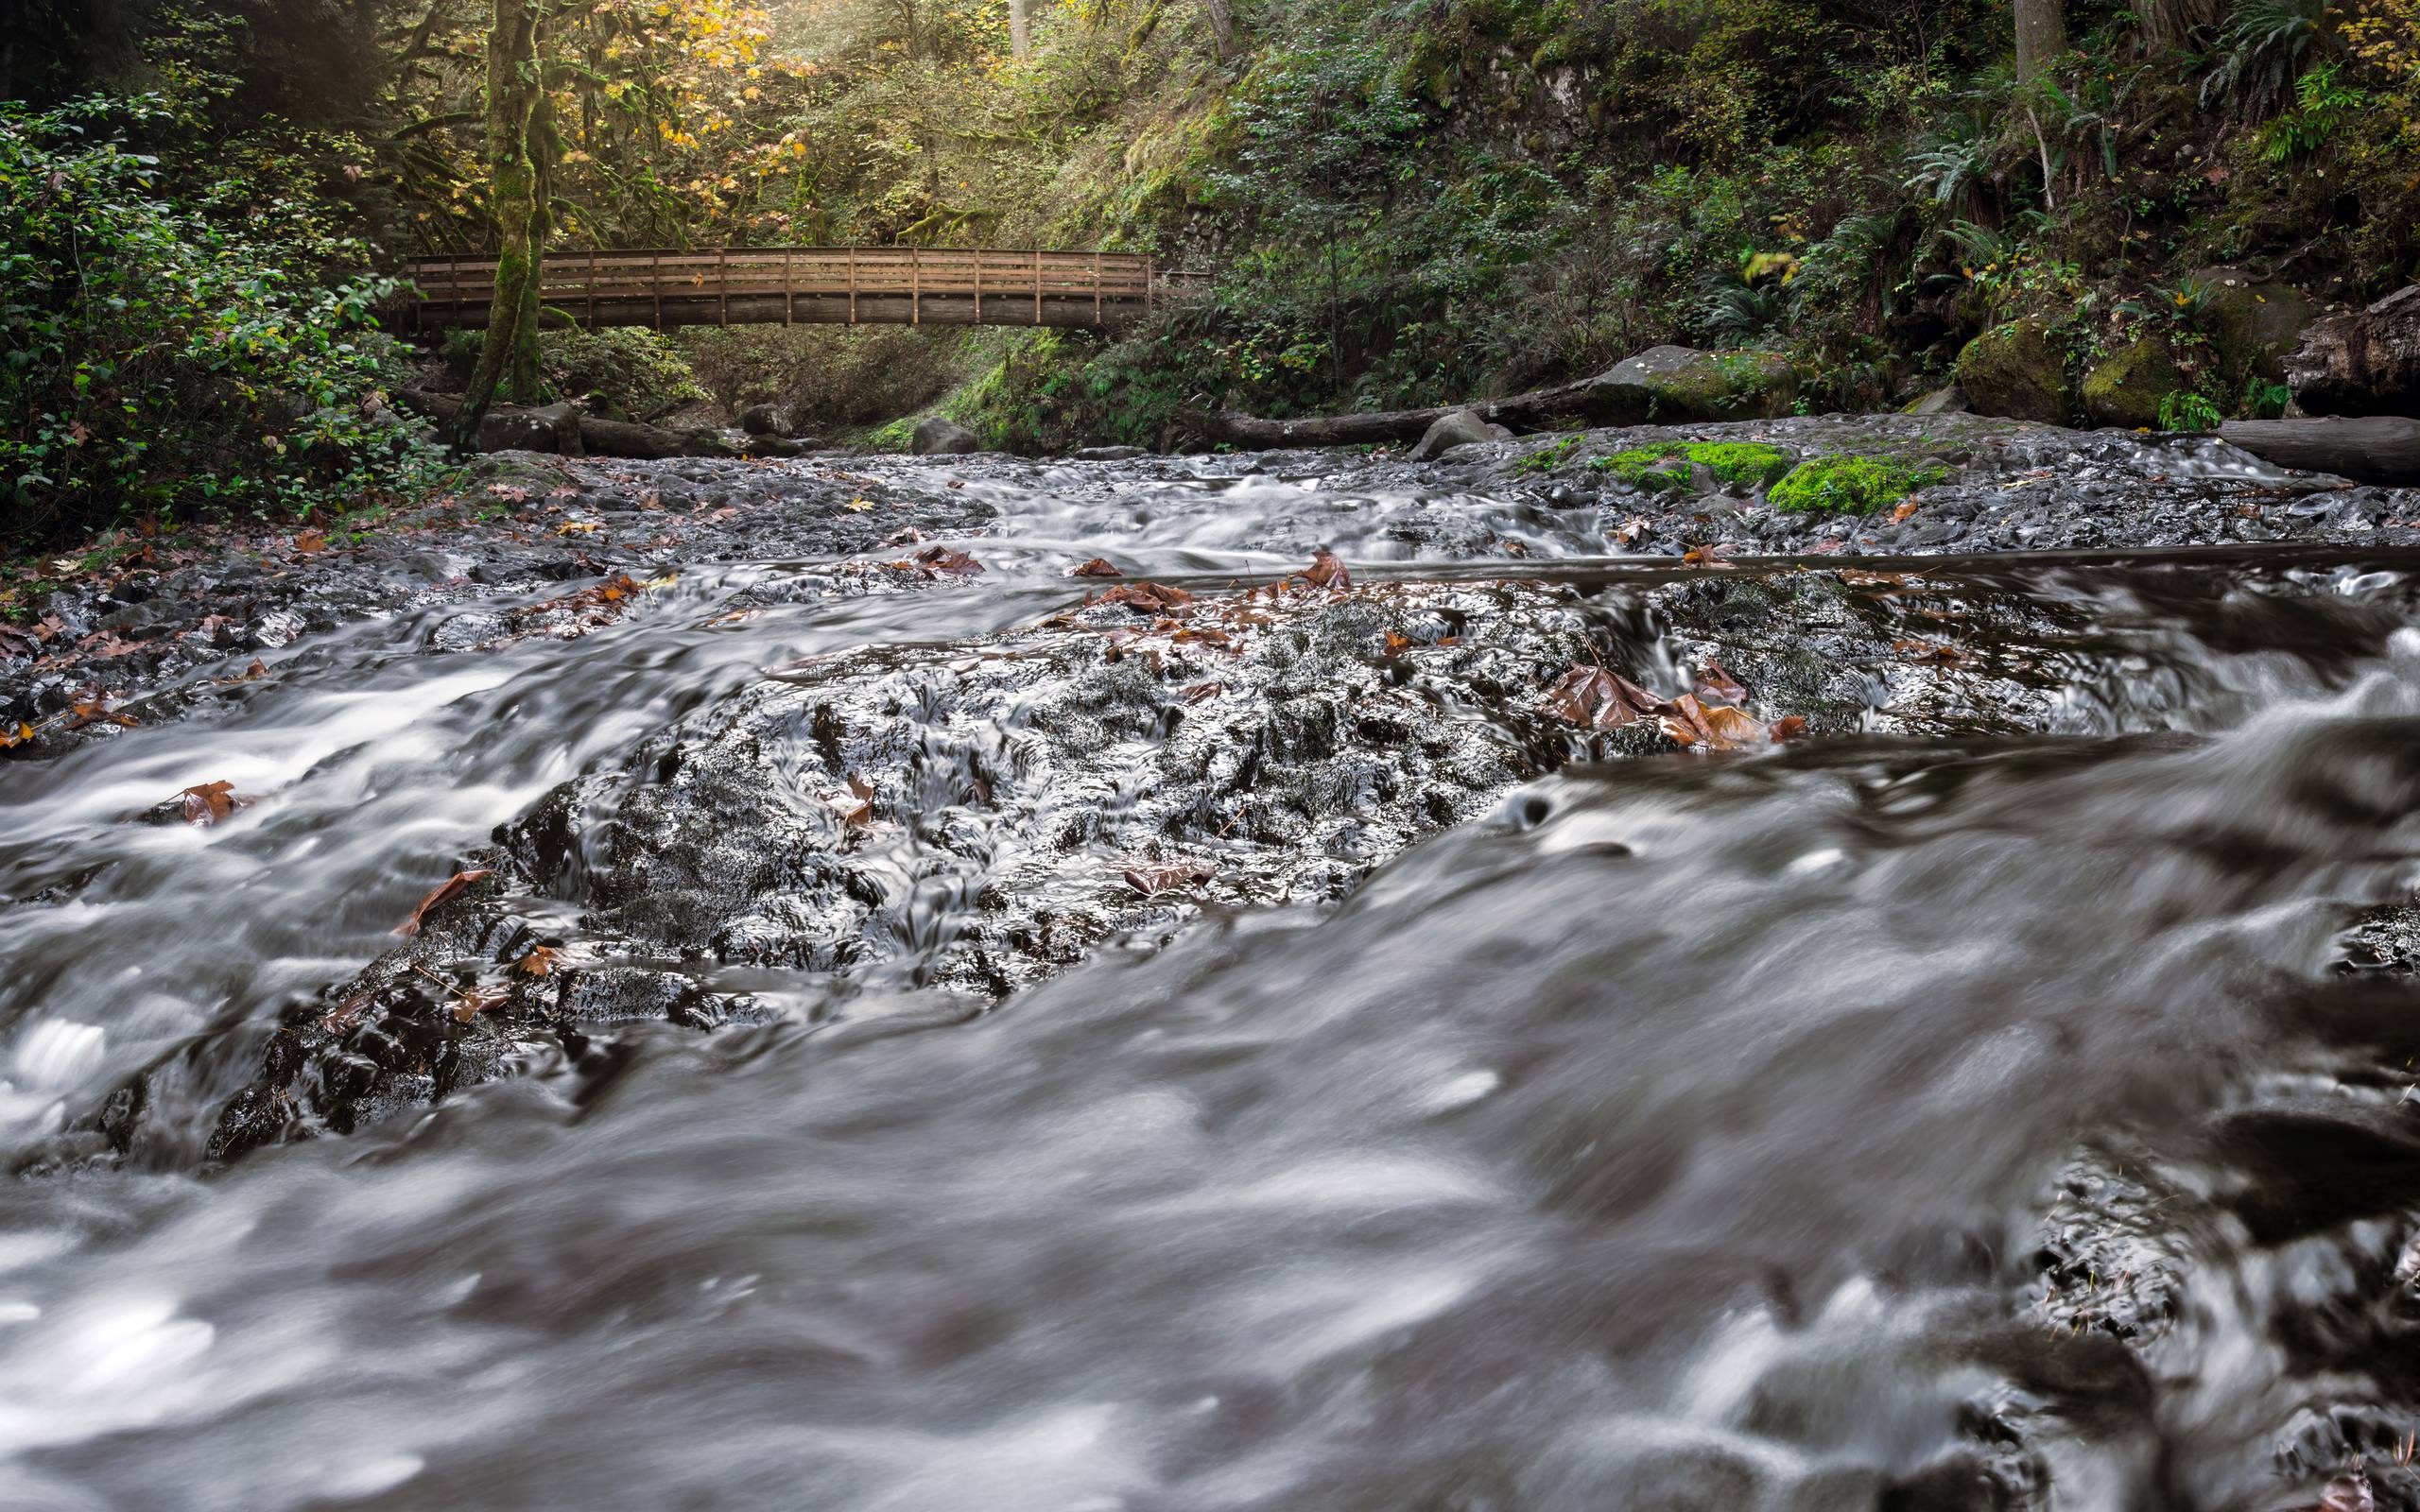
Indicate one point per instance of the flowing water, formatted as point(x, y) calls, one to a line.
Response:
point(1996, 1101)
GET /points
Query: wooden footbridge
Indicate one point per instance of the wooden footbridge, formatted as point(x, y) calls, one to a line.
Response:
point(809, 285)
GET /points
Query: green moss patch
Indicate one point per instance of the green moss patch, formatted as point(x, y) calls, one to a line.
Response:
point(1848, 485)
point(1666, 468)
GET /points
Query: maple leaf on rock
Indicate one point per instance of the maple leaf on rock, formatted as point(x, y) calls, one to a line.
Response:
point(1162, 877)
point(445, 892)
point(1595, 698)
point(1325, 570)
point(206, 803)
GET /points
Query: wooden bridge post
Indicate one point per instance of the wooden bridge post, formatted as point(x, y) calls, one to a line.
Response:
point(1151, 283)
point(1037, 287)
point(789, 288)
point(591, 288)
point(853, 285)
point(1097, 319)
point(655, 287)
point(979, 285)
point(915, 287)
point(722, 282)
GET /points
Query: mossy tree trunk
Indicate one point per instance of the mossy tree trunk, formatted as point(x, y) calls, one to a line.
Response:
point(517, 128)
point(2041, 34)
point(1020, 27)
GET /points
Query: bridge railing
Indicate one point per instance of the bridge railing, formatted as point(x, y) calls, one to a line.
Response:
point(785, 284)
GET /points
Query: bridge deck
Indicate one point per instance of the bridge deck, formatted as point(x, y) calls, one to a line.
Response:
point(799, 286)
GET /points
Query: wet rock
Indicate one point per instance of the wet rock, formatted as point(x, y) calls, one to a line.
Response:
point(937, 436)
point(1461, 428)
point(2018, 372)
point(1110, 454)
point(1949, 401)
point(1669, 384)
point(2364, 363)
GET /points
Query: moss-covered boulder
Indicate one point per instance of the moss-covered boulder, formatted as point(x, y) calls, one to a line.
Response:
point(2126, 389)
point(1666, 384)
point(2018, 372)
point(2253, 324)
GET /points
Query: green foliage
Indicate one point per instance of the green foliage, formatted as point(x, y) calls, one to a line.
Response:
point(629, 372)
point(1665, 468)
point(2263, 400)
point(2323, 103)
point(158, 361)
point(2184, 411)
point(2269, 43)
point(1847, 484)
point(1740, 461)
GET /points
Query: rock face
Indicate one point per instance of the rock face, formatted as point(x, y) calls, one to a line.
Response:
point(2126, 390)
point(1461, 428)
point(1669, 384)
point(1110, 454)
point(938, 437)
point(554, 428)
point(768, 420)
point(2365, 363)
point(2018, 372)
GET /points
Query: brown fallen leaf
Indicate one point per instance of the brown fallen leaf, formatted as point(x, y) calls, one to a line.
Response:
point(1098, 567)
point(1149, 880)
point(445, 892)
point(1713, 683)
point(1325, 570)
point(18, 736)
point(96, 712)
point(1397, 644)
point(1202, 692)
point(939, 562)
point(1899, 516)
point(1712, 556)
point(1686, 721)
point(1631, 529)
point(1151, 598)
point(209, 802)
point(1595, 698)
point(309, 542)
point(1793, 726)
point(347, 1016)
point(1947, 656)
point(861, 815)
point(469, 1003)
point(539, 962)
point(578, 527)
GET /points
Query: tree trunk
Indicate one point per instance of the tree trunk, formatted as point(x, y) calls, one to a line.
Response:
point(1223, 26)
point(516, 184)
point(1588, 399)
point(1020, 27)
point(2041, 35)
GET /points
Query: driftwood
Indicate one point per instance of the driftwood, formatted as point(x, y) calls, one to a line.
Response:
point(509, 424)
point(2380, 449)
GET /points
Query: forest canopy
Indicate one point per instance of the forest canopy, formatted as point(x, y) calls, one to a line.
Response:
point(1397, 204)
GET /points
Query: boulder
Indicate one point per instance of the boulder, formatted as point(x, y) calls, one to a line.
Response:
point(768, 419)
point(1949, 401)
point(1461, 428)
point(2018, 372)
point(2126, 389)
point(938, 437)
point(2363, 363)
point(2253, 323)
point(554, 428)
point(1667, 383)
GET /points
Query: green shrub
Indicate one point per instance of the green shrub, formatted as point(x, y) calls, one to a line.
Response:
point(159, 362)
point(2184, 411)
point(626, 371)
point(1847, 484)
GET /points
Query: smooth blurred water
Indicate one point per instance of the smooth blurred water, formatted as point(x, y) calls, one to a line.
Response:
point(1677, 1137)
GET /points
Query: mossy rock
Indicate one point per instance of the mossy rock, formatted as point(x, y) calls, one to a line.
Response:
point(1671, 384)
point(2253, 325)
point(1848, 485)
point(2018, 372)
point(2126, 390)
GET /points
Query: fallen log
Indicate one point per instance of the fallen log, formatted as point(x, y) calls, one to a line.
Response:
point(2375, 449)
point(510, 425)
